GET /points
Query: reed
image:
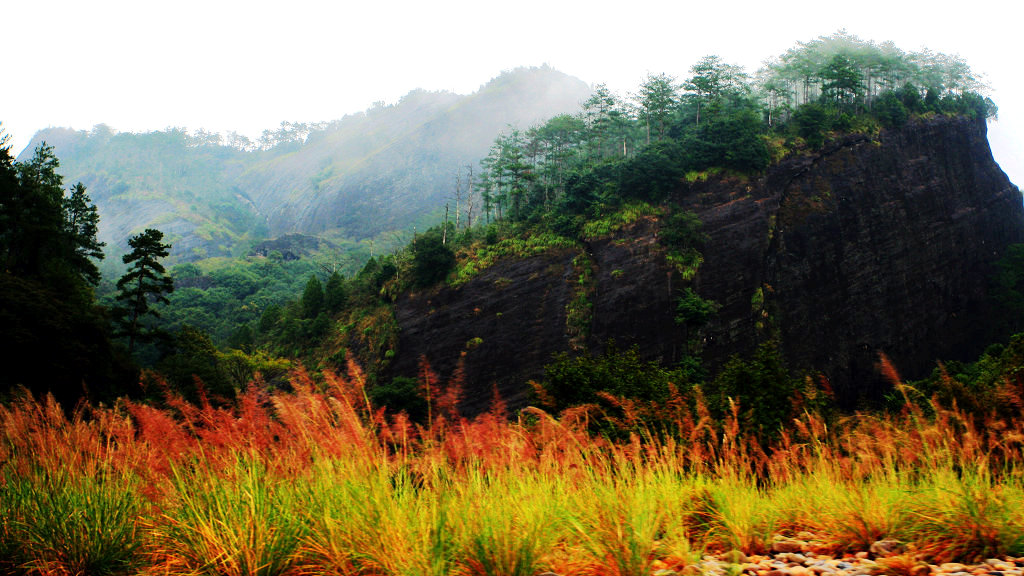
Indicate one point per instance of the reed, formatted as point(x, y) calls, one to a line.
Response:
point(316, 481)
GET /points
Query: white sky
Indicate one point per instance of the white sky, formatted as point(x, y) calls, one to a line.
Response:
point(229, 65)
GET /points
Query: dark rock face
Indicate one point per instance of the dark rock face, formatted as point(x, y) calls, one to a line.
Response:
point(872, 245)
point(503, 325)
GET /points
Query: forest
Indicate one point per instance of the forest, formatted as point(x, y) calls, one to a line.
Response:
point(229, 414)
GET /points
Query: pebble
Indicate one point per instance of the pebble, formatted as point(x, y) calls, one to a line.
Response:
point(790, 557)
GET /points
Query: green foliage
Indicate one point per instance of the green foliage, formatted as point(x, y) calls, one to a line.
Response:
point(81, 225)
point(241, 368)
point(522, 242)
point(713, 79)
point(1008, 287)
point(579, 312)
point(69, 520)
point(48, 254)
point(73, 332)
point(46, 231)
point(617, 220)
point(432, 259)
point(766, 394)
point(841, 81)
point(270, 318)
point(312, 298)
point(654, 172)
point(731, 137)
point(658, 98)
point(682, 238)
point(693, 311)
point(846, 70)
point(193, 356)
point(993, 384)
point(811, 121)
point(402, 394)
point(574, 380)
point(335, 294)
point(143, 285)
point(890, 110)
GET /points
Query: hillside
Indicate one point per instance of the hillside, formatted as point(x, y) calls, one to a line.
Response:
point(870, 245)
point(396, 162)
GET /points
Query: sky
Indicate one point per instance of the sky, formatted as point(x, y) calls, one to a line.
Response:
point(246, 66)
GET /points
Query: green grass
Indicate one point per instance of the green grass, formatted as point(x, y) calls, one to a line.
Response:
point(237, 520)
point(480, 256)
point(59, 519)
point(313, 482)
point(618, 219)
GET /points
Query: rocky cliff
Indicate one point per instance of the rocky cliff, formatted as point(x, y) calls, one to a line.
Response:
point(874, 244)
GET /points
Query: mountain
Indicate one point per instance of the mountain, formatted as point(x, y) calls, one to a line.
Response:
point(872, 244)
point(388, 168)
point(161, 180)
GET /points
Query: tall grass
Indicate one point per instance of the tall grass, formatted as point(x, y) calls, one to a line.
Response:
point(61, 521)
point(315, 481)
point(236, 521)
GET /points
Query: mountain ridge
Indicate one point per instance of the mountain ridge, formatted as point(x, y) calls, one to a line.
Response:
point(397, 161)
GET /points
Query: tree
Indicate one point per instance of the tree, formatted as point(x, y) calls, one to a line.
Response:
point(32, 207)
point(432, 260)
point(195, 356)
point(605, 120)
point(47, 244)
point(811, 122)
point(890, 111)
point(8, 195)
point(731, 136)
point(312, 298)
point(335, 294)
point(144, 284)
point(712, 79)
point(657, 100)
point(81, 224)
point(842, 82)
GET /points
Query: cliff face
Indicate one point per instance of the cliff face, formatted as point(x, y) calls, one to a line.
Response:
point(871, 245)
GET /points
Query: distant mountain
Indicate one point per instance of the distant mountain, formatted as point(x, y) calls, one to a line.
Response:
point(388, 168)
point(162, 180)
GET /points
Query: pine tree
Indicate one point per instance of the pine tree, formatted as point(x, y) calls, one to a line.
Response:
point(335, 295)
point(144, 284)
point(312, 298)
point(81, 224)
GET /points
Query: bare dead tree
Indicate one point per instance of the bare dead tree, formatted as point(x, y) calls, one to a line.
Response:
point(469, 196)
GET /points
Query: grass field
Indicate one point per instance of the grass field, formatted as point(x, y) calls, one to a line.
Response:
point(314, 481)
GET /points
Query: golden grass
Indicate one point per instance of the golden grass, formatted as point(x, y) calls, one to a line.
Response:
point(315, 481)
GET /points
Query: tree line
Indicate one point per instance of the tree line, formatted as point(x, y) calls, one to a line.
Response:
point(58, 337)
point(719, 117)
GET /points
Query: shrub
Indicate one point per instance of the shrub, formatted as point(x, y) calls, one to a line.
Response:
point(432, 260)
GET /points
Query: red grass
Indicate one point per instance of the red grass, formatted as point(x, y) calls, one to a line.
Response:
point(332, 418)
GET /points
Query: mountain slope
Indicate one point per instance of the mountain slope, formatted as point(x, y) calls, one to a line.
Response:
point(388, 168)
point(399, 162)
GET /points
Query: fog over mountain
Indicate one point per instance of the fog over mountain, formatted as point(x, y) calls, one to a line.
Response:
point(388, 168)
